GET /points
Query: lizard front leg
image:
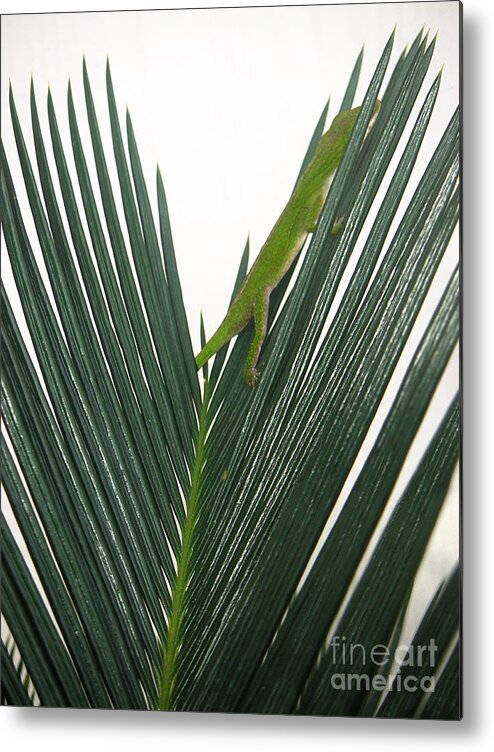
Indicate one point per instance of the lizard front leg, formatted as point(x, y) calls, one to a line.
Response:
point(261, 309)
point(313, 212)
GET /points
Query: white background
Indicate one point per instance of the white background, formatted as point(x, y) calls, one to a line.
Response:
point(173, 116)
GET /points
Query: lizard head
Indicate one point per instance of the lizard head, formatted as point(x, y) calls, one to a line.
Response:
point(345, 120)
point(332, 144)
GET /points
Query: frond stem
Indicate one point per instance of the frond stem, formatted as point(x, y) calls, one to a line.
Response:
point(172, 644)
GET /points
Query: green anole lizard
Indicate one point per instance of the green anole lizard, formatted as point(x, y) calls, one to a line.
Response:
point(285, 241)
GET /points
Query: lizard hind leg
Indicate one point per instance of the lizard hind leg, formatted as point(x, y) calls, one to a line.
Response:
point(261, 309)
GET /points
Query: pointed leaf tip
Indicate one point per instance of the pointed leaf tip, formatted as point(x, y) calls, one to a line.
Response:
point(108, 73)
point(202, 329)
point(159, 179)
point(32, 95)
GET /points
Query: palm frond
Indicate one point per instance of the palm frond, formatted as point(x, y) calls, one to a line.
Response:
point(439, 631)
point(16, 687)
point(178, 534)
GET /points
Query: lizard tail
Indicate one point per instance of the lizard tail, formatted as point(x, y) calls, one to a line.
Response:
point(219, 338)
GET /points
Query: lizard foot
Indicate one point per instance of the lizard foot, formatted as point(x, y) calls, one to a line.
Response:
point(338, 225)
point(251, 376)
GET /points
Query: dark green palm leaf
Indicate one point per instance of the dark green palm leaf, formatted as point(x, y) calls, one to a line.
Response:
point(171, 530)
